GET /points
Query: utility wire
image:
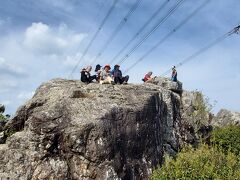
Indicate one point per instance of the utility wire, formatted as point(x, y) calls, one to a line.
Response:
point(101, 7)
point(181, 24)
point(95, 35)
point(155, 27)
point(235, 30)
point(117, 29)
point(140, 30)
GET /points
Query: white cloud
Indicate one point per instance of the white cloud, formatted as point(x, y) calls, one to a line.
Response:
point(1, 22)
point(6, 102)
point(72, 61)
point(65, 5)
point(10, 69)
point(25, 95)
point(5, 22)
point(43, 39)
point(7, 85)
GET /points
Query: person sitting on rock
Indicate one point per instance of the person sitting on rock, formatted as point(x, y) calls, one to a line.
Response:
point(98, 71)
point(86, 75)
point(148, 77)
point(174, 74)
point(105, 75)
point(117, 76)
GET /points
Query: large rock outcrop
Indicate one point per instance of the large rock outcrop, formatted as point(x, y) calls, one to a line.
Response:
point(2, 123)
point(70, 130)
point(196, 117)
point(225, 117)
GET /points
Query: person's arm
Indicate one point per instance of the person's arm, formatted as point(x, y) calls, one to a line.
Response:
point(120, 73)
point(112, 73)
point(102, 75)
point(146, 77)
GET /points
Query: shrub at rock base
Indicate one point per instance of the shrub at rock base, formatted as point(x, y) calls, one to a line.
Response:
point(2, 117)
point(227, 138)
point(203, 163)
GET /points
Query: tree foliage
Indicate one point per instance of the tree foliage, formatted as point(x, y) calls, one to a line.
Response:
point(227, 139)
point(2, 117)
point(202, 163)
point(221, 160)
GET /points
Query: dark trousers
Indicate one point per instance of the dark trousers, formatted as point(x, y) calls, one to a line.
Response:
point(88, 79)
point(121, 80)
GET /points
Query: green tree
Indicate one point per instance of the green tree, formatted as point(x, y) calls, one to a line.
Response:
point(227, 139)
point(202, 163)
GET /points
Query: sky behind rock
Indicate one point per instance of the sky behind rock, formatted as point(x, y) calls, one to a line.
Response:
point(44, 39)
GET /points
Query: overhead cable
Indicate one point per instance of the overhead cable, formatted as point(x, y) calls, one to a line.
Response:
point(148, 34)
point(117, 29)
point(235, 30)
point(174, 30)
point(95, 35)
point(140, 31)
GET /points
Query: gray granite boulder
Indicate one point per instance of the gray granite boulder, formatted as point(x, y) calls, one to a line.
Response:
point(225, 117)
point(168, 84)
point(70, 130)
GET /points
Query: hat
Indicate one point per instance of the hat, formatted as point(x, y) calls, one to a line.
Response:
point(107, 65)
point(98, 67)
point(117, 65)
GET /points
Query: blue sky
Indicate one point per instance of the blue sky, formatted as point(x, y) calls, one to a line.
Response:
point(44, 39)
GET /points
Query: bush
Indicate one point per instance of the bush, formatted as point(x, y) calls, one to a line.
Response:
point(2, 117)
point(227, 139)
point(203, 163)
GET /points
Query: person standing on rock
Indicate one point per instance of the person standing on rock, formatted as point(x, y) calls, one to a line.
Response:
point(105, 75)
point(117, 75)
point(86, 75)
point(174, 74)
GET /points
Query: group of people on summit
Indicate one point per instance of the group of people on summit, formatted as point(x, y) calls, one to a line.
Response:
point(106, 76)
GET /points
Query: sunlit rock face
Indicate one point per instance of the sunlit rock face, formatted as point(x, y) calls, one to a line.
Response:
point(70, 130)
point(226, 117)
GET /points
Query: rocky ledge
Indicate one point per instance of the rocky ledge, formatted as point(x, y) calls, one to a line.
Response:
point(225, 117)
point(70, 130)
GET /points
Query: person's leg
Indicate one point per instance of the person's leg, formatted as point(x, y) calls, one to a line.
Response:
point(117, 80)
point(125, 79)
point(149, 80)
point(109, 80)
point(174, 79)
point(91, 78)
point(84, 78)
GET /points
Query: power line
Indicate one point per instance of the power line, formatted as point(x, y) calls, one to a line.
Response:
point(235, 30)
point(155, 27)
point(181, 24)
point(101, 6)
point(95, 35)
point(117, 29)
point(140, 30)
